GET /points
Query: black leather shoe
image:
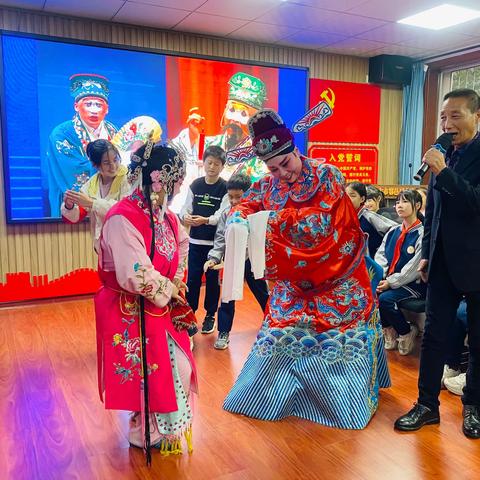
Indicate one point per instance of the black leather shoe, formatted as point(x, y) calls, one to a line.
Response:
point(416, 418)
point(471, 421)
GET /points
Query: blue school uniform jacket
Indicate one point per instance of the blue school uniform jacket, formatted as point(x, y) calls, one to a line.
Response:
point(406, 269)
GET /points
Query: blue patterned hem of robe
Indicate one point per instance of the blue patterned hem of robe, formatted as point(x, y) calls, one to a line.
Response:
point(332, 378)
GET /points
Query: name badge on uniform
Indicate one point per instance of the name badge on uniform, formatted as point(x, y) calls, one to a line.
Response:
point(410, 249)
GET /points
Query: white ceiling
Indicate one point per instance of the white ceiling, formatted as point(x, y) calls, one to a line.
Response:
point(349, 27)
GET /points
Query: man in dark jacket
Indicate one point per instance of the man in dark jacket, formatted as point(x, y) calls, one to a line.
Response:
point(451, 261)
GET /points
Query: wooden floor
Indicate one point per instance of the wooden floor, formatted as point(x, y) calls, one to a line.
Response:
point(53, 425)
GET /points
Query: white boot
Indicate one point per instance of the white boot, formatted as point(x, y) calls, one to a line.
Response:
point(449, 373)
point(455, 384)
point(407, 342)
point(390, 336)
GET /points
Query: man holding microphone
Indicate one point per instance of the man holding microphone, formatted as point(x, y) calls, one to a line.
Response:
point(451, 261)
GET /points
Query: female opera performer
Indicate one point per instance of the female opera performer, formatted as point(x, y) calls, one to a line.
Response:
point(319, 353)
point(142, 256)
point(100, 192)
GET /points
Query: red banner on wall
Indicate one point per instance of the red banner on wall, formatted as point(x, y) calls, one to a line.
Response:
point(356, 112)
point(357, 163)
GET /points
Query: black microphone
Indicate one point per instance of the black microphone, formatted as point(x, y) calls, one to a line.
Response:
point(442, 144)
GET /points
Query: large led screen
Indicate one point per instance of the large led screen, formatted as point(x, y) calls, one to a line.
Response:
point(58, 96)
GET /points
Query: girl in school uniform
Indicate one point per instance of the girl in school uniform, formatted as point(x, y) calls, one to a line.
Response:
point(399, 255)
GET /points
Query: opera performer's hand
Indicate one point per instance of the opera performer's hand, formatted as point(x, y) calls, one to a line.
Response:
point(176, 295)
point(180, 284)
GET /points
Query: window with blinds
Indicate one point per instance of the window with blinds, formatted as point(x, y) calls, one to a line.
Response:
point(466, 78)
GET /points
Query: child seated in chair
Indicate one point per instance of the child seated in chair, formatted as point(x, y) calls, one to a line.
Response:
point(399, 255)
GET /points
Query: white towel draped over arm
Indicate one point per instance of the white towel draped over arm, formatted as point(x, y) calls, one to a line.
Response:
point(236, 237)
point(256, 242)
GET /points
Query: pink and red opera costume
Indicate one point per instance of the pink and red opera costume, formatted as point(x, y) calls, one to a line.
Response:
point(127, 272)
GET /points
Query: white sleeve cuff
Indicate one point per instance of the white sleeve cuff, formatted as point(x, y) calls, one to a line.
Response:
point(71, 214)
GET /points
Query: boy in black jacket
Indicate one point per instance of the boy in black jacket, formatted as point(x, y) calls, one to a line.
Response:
point(206, 199)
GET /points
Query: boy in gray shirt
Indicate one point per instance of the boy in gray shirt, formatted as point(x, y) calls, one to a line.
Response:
point(236, 187)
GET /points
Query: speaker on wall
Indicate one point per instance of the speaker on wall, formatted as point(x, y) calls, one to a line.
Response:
point(391, 69)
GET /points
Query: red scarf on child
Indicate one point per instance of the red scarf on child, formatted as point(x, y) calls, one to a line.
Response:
point(398, 245)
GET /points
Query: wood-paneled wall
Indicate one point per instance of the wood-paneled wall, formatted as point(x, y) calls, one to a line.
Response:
point(56, 249)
